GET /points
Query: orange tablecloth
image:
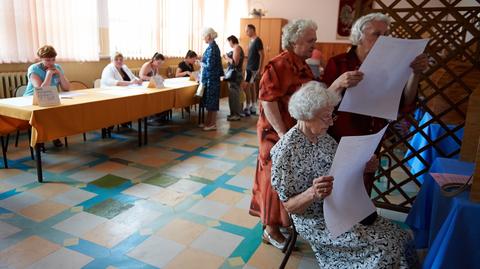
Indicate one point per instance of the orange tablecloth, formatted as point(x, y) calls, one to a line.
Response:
point(92, 109)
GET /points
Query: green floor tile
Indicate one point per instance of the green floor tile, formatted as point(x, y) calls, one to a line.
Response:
point(200, 180)
point(161, 180)
point(109, 181)
point(108, 208)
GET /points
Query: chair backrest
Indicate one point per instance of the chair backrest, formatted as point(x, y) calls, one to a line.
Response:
point(77, 85)
point(19, 91)
point(96, 83)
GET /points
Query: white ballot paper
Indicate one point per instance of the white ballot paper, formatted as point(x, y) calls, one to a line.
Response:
point(386, 71)
point(349, 203)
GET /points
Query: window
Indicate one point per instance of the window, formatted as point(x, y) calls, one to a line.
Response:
point(171, 27)
point(70, 26)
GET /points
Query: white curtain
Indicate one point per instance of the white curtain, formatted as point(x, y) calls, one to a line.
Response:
point(171, 27)
point(70, 26)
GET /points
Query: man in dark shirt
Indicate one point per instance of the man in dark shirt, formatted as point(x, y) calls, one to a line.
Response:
point(254, 65)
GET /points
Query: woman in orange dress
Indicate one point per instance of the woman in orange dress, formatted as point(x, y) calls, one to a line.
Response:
point(282, 77)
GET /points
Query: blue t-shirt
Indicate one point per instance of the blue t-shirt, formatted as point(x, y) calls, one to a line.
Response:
point(37, 68)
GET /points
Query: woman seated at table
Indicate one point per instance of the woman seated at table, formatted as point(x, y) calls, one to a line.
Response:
point(301, 161)
point(46, 73)
point(117, 73)
point(150, 68)
point(185, 68)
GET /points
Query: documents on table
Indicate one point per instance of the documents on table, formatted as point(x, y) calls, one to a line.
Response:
point(349, 203)
point(386, 71)
point(17, 101)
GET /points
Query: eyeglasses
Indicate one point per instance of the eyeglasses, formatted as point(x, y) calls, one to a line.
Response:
point(330, 119)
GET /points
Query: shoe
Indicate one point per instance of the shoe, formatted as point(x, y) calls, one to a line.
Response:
point(233, 118)
point(253, 110)
point(201, 125)
point(210, 128)
point(286, 231)
point(242, 115)
point(267, 239)
point(57, 143)
point(154, 123)
point(246, 111)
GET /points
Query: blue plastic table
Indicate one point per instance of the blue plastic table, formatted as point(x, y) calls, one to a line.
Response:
point(448, 227)
point(447, 145)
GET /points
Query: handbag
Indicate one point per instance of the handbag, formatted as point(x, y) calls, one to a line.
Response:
point(230, 73)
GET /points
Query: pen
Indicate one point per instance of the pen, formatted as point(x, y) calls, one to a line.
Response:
point(66, 97)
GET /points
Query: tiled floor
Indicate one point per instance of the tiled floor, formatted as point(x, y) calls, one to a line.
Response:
point(179, 202)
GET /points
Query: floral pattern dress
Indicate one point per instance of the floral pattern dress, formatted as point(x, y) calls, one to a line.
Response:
point(212, 70)
point(295, 163)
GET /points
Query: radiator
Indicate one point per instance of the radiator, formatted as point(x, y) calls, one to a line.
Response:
point(9, 81)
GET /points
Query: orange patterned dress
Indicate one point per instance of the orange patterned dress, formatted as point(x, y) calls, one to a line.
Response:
point(282, 77)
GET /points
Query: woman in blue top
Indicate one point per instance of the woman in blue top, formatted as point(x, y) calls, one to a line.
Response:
point(46, 73)
point(212, 70)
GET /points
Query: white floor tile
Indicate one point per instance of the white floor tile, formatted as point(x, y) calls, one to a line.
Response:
point(7, 230)
point(209, 209)
point(62, 258)
point(80, 223)
point(217, 242)
point(186, 186)
point(242, 182)
point(156, 251)
point(143, 190)
point(137, 216)
point(74, 197)
point(18, 202)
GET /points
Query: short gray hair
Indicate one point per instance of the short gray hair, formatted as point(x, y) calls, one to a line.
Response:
point(356, 33)
point(293, 30)
point(209, 32)
point(312, 97)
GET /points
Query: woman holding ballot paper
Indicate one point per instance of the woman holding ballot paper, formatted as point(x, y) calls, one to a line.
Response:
point(365, 32)
point(301, 161)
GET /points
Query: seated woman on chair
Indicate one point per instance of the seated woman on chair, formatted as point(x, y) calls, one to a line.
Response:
point(117, 73)
point(301, 161)
point(150, 68)
point(46, 73)
point(185, 67)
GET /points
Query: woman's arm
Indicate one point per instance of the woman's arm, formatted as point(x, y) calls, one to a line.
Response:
point(272, 113)
point(321, 188)
point(179, 73)
point(236, 55)
point(419, 65)
point(346, 80)
point(146, 68)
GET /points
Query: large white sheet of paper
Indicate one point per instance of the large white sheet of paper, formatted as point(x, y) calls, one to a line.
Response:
point(17, 101)
point(349, 203)
point(386, 71)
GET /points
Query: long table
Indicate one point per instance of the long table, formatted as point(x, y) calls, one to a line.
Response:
point(92, 109)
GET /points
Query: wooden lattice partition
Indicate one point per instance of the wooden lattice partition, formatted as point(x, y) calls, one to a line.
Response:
point(454, 32)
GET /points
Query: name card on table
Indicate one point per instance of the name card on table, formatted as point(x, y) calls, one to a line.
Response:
point(156, 82)
point(46, 96)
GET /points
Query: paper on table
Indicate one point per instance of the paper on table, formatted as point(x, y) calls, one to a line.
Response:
point(349, 203)
point(17, 101)
point(71, 94)
point(445, 178)
point(122, 91)
point(386, 71)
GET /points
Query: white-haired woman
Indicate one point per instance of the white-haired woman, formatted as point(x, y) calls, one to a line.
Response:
point(282, 77)
point(117, 73)
point(301, 161)
point(212, 70)
point(364, 34)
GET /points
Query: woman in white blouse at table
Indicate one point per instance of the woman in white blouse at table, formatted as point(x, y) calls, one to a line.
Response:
point(117, 73)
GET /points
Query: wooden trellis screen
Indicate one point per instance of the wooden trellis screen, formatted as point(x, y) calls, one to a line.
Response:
point(454, 32)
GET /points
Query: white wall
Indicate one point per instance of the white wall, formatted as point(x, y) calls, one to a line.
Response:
point(323, 12)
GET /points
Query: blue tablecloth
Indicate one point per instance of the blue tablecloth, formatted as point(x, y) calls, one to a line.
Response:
point(449, 227)
point(447, 145)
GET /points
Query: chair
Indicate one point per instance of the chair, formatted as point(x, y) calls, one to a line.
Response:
point(97, 83)
point(19, 91)
point(77, 85)
point(291, 240)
